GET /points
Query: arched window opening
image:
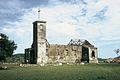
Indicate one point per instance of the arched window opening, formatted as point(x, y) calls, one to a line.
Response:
point(93, 54)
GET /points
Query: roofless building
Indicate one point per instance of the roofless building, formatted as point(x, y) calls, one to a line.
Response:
point(41, 52)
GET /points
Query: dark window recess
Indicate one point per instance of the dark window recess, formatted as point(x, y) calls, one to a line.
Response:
point(93, 54)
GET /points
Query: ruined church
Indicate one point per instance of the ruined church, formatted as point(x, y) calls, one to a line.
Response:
point(41, 51)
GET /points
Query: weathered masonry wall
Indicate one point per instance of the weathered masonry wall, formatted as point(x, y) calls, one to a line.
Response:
point(41, 52)
point(64, 53)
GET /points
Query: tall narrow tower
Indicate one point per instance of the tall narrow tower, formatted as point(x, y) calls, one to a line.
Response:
point(39, 40)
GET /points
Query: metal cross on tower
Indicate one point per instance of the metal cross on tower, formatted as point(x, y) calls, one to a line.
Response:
point(39, 14)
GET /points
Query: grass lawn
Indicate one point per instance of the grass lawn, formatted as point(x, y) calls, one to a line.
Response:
point(64, 72)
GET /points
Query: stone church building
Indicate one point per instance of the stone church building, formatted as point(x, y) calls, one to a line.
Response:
point(41, 51)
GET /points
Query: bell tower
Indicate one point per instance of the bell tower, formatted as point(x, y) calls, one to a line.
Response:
point(39, 40)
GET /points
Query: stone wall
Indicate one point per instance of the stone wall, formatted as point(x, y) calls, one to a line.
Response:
point(64, 53)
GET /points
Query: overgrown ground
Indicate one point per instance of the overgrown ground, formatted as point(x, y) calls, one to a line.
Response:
point(64, 72)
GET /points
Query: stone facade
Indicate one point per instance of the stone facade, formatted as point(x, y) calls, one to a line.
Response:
point(41, 51)
point(73, 52)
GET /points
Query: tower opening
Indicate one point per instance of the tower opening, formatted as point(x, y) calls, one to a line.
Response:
point(93, 54)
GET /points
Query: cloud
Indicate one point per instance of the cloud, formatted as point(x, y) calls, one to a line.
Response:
point(11, 10)
point(97, 21)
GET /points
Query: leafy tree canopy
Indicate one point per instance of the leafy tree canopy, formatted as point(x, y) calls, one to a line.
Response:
point(117, 51)
point(7, 47)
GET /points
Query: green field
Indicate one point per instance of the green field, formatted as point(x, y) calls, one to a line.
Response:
point(64, 72)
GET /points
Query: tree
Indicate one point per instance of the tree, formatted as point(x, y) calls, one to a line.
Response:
point(117, 51)
point(7, 47)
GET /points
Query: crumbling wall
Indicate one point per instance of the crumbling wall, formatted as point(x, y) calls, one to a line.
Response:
point(64, 53)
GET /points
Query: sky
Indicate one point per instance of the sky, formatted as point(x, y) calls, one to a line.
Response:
point(94, 20)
